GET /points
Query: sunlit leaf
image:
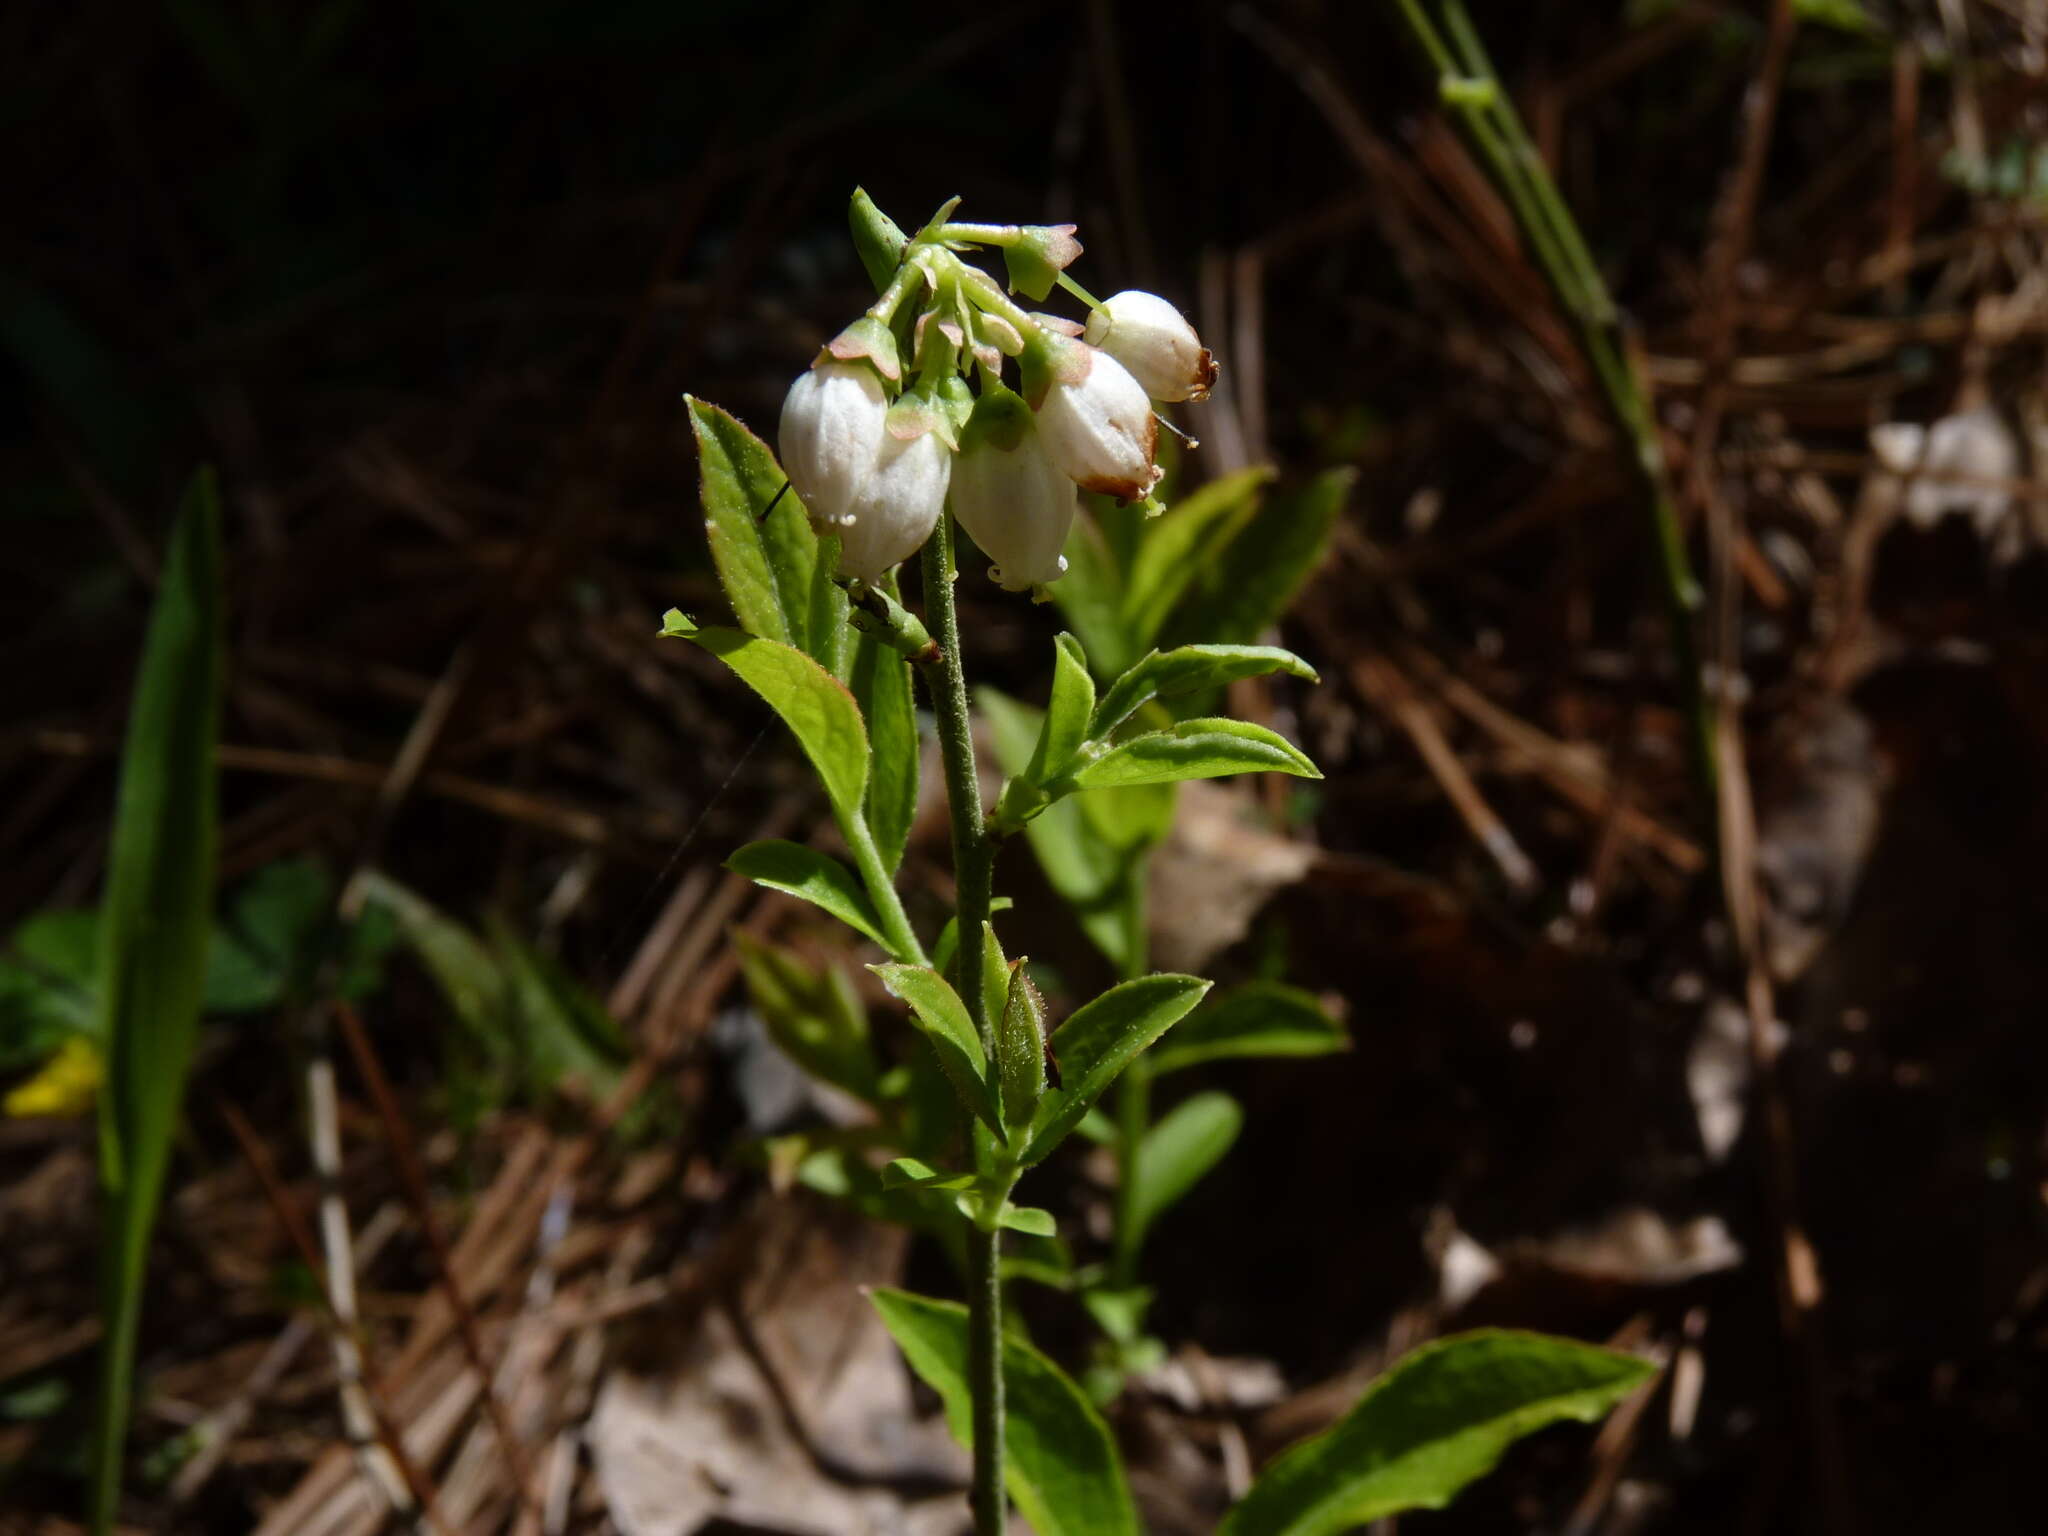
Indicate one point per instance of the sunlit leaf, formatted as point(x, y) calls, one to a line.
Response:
point(816, 877)
point(1260, 1018)
point(1195, 749)
point(1099, 1041)
point(813, 703)
point(1190, 669)
point(1439, 1418)
point(937, 1010)
point(1060, 1463)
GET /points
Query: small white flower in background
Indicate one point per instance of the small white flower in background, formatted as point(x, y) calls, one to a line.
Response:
point(895, 505)
point(1009, 495)
point(1097, 423)
point(831, 434)
point(1154, 341)
point(1953, 463)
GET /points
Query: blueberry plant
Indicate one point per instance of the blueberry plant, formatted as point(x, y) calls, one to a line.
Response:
point(949, 401)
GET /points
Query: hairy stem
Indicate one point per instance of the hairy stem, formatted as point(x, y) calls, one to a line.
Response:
point(973, 863)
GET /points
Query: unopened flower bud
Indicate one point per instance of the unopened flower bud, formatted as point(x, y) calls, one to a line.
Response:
point(1009, 495)
point(1095, 419)
point(1155, 342)
point(896, 505)
point(831, 432)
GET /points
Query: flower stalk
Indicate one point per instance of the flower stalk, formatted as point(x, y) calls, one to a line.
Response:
point(973, 873)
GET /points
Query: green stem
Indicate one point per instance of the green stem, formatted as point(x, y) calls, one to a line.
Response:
point(1494, 130)
point(867, 858)
point(973, 866)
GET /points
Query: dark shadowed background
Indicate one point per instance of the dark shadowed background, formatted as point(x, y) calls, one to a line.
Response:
point(427, 283)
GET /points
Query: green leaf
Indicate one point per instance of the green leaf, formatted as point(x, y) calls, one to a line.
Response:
point(155, 925)
point(1092, 847)
point(816, 877)
point(49, 985)
point(881, 685)
point(1184, 543)
point(909, 1173)
point(1244, 589)
point(1091, 594)
point(1020, 1048)
point(937, 1010)
point(1060, 1462)
point(1194, 749)
point(1099, 1041)
point(738, 479)
point(462, 966)
point(1440, 1418)
point(1186, 1143)
point(813, 703)
point(949, 936)
point(564, 1037)
point(1031, 1220)
point(814, 1015)
point(1067, 715)
point(877, 239)
point(1190, 669)
point(776, 572)
point(1260, 1018)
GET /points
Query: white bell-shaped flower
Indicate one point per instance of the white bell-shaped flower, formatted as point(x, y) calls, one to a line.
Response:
point(895, 505)
point(1096, 421)
point(1154, 341)
point(831, 433)
point(1009, 495)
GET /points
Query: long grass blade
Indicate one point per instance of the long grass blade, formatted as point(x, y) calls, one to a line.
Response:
point(153, 935)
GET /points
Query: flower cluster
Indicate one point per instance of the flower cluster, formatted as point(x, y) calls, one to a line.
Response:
point(908, 406)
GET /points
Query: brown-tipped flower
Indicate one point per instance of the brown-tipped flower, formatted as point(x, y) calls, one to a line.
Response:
point(1096, 420)
point(1155, 342)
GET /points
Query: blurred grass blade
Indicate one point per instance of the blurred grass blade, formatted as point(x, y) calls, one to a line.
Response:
point(1242, 591)
point(1060, 1462)
point(1440, 1418)
point(153, 937)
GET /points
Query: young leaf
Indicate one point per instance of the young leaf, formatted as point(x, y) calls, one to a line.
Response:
point(1028, 1219)
point(1244, 590)
point(1190, 669)
point(154, 928)
point(817, 877)
point(1185, 1144)
point(1099, 1041)
point(909, 1173)
point(462, 967)
point(1194, 749)
point(1020, 1048)
point(813, 703)
point(1183, 543)
point(1440, 1418)
point(1260, 1018)
point(877, 239)
point(813, 1015)
point(1060, 1462)
point(937, 1010)
point(881, 685)
point(1067, 714)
